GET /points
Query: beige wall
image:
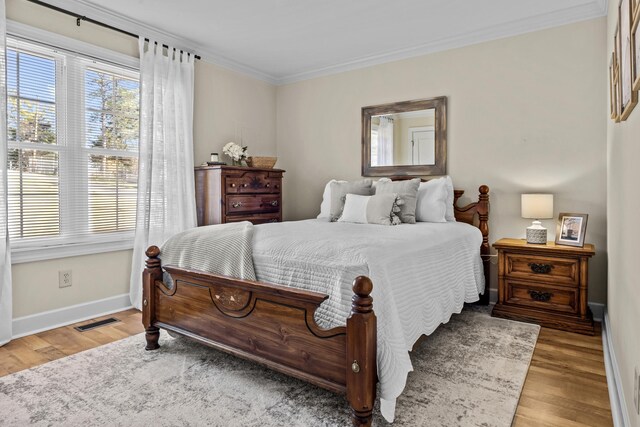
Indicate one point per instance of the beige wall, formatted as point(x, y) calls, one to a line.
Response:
point(228, 106)
point(232, 107)
point(623, 176)
point(524, 114)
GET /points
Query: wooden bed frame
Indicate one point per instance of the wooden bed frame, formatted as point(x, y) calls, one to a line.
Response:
point(274, 325)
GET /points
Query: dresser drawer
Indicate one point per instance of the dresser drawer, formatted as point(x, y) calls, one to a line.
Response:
point(255, 218)
point(538, 295)
point(252, 203)
point(565, 271)
point(253, 182)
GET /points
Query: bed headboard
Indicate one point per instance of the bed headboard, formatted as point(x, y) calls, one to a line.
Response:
point(477, 214)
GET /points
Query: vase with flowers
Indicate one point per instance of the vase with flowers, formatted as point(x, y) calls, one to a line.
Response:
point(236, 152)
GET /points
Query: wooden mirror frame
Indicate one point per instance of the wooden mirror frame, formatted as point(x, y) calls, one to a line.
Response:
point(440, 168)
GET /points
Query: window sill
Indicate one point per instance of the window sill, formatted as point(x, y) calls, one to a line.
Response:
point(24, 255)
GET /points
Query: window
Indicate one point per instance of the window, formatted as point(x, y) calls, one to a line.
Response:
point(73, 147)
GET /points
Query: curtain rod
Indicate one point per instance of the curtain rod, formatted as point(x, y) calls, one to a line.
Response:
point(80, 18)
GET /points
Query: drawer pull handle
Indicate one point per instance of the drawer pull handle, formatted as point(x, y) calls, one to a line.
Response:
point(540, 268)
point(274, 203)
point(233, 185)
point(267, 185)
point(540, 296)
point(236, 204)
point(245, 185)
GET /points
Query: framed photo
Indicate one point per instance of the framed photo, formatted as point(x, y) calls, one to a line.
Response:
point(616, 73)
point(571, 229)
point(628, 97)
point(635, 46)
point(613, 88)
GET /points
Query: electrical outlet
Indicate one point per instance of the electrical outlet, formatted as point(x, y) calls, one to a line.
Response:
point(636, 390)
point(64, 278)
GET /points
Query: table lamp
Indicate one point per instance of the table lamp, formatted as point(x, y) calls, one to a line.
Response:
point(537, 207)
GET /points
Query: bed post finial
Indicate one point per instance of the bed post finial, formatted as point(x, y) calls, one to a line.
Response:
point(150, 274)
point(361, 353)
point(485, 249)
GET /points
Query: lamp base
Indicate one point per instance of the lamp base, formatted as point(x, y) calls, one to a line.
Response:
point(537, 234)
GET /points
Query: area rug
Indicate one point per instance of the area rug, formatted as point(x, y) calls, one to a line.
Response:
point(469, 372)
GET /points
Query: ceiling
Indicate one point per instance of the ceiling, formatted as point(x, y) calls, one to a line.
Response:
point(288, 40)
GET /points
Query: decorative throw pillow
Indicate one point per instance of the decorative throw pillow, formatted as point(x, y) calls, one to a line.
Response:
point(325, 207)
point(340, 189)
point(408, 192)
point(449, 215)
point(432, 201)
point(378, 209)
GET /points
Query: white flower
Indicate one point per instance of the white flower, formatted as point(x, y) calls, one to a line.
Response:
point(235, 151)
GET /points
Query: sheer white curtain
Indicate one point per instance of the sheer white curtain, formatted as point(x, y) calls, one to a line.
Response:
point(5, 251)
point(166, 195)
point(385, 141)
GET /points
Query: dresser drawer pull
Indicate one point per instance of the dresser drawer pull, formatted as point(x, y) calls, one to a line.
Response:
point(267, 185)
point(236, 204)
point(245, 185)
point(274, 203)
point(540, 268)
point(540, 296)
point(233, 185)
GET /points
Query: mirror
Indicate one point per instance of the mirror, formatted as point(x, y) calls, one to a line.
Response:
point(405, 138)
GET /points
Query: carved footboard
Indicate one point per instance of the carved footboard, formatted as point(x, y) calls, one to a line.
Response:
point(270, 324)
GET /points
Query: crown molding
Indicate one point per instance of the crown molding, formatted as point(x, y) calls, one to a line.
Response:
point(595, 9)
point(99, 13)
point(592, 10)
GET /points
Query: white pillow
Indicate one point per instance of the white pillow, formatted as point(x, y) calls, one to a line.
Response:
point(432, 201)
point(325, 206)
point(380, 209)
point(449, 215)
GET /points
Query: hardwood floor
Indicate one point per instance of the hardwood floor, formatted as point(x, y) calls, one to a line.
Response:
point(34, 350)
point(566, 384)
point(565, 387)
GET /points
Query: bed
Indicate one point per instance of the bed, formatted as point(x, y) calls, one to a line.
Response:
point(301, 331)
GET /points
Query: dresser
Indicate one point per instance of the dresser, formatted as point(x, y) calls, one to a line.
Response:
point(544, 284)
point(231, 194)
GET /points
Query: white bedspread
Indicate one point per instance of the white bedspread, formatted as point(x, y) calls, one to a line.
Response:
point(422, 273)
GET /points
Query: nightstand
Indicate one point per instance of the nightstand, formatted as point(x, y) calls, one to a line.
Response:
point(544, 284)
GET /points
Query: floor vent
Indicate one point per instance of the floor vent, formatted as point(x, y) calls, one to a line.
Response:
point(97, 324)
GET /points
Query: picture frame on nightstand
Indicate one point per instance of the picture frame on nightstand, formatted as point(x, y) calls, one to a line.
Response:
point(571, 229)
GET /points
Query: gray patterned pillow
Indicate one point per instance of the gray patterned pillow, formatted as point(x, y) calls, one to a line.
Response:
point(408, 192)
point(339, 190)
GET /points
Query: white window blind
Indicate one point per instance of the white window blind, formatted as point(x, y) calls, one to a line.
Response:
point(73, 147)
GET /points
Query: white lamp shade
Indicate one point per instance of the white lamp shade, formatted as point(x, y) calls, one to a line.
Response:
point(537, 206)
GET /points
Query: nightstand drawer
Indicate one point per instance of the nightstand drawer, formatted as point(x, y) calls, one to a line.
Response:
point(562, 271)
point(538, 295)
point(258, 203)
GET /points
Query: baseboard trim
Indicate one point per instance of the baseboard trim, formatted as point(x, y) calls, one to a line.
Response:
point(619, 411)
point(40, 322)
